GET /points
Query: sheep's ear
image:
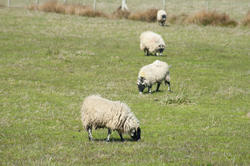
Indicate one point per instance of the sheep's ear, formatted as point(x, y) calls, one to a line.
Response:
point(169, 66)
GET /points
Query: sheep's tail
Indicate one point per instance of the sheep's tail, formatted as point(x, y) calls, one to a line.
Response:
point(83, 118)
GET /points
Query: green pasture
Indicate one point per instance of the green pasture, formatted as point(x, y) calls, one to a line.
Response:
point(50, 62)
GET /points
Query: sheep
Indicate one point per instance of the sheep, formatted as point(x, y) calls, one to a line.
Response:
point(98, 112)
point(161, 17)
point(151, 43)
point(153, 73)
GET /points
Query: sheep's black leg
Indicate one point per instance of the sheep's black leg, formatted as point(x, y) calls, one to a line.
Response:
point(121, 136)
point(167, 82)
point(90, 133)
point(158, 86)
point(149, 89)
point(146, 52)
point(109, 133)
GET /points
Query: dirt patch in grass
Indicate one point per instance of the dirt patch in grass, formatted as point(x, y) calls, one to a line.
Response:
point(214, 18)
point(246, 20)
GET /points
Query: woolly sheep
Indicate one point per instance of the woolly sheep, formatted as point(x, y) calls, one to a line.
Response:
point(98, 112)
point(151, 43)
point(153, 73)
point(161, 17)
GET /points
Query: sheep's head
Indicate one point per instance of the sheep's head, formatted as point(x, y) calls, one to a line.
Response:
point(164, 17)
point(135, 133)
point(141, 84)
point(160, 49)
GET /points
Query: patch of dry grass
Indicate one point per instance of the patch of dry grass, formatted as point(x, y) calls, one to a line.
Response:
point(203, 17)
point(33, 7)
point(214, 18)
point(177, 19)
point(246, 20)
point(148, 15)
point(119, 13)
point(81, 10)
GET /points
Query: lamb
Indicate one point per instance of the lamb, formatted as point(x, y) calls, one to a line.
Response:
point(161, 17)
point(151, 43)
point(98, 112)
point(153, 73)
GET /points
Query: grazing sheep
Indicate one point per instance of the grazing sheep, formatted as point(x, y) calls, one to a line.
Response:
point(151, 43)
point(98, 112)
point(161, 17)
point(153, 73)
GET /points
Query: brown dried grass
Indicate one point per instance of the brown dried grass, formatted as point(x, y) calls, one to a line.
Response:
point(81, 10)
point(201, 18)
point(178, 19)
point(119, 13)
point(149, 15)
point(89, 12)
point(211, 18)
point(33, 7)
point(246, 20)
point(70, 9)
point(49, 6)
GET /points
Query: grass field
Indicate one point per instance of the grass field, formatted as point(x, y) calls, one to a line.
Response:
point(50, 62)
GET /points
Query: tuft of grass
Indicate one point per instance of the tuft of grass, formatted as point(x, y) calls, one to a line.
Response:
point(119, 13)
point(148, 15)
point(214, 18)
point(176, 99)
point(246, 20)
point(179, 97)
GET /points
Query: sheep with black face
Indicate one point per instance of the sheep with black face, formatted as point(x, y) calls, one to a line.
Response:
point(152, 43)
point(98, 112)
point(161, 17)
point(155, 72)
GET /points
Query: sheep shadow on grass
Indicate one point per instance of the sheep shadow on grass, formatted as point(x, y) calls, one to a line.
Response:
point(159, 91)
point(112, 140)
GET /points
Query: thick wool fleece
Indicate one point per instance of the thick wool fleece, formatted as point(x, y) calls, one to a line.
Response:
point(155, 72)
point(161, 13)
point(98, 112)
point(151, 41)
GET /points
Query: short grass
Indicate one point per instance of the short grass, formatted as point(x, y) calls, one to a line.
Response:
point(50, 62)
